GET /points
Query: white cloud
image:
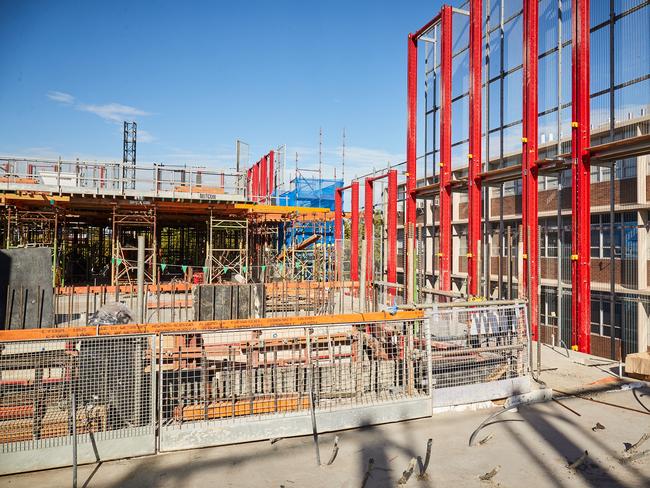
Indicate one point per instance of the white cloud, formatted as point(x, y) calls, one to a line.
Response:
point(114, 112)
point(61, 97)
point(145, 136)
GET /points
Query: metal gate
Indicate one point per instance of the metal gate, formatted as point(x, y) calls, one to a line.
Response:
point(243, 385)
point(111, 382)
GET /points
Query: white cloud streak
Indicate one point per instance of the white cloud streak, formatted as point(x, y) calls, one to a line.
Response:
point(111, 112)
point(61, 97)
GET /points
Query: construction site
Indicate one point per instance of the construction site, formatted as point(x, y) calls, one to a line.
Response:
point(475, 315)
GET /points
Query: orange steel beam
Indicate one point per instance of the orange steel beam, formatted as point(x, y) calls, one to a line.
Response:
point(208, 325)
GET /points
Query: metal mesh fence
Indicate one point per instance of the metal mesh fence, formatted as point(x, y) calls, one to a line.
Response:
point(478, 344)
point(110, 378)
point(252, 372)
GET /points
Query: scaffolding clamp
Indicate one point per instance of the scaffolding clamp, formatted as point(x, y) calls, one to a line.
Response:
point(524, 139)
point(574, 125)
point(574, 257)
point(524, 256)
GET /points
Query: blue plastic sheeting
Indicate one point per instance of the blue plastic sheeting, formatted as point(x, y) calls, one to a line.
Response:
point(311, 192)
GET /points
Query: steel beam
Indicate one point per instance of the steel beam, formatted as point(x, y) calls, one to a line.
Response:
point(444, 267)
point(354, 232)
point(368, 228)
point(580, 177)
point(474, 159)
point(529, 154)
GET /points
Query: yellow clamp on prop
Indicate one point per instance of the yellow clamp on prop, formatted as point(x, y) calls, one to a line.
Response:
point(574, 257)
point(470, 255)
point(574, 125)
point(439, 254)
point(470, 156)
point(525, 256)
point(524, 139)
point(574, 348)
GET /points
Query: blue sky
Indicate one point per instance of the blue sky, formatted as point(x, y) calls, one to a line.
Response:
point(198, 75)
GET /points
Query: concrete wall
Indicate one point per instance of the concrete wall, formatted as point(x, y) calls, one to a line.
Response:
point(26, 292)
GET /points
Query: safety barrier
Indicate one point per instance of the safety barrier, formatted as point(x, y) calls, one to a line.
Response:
point(138, 394)
point(102, 386)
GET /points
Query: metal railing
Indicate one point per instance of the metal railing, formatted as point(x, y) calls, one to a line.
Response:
point(116, 178)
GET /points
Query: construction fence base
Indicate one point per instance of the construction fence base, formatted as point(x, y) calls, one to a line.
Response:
point(217, 433)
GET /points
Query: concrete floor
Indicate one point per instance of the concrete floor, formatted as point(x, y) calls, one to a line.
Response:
point(532, 446)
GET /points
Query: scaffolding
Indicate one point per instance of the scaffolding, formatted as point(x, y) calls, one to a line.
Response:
point(227, 249)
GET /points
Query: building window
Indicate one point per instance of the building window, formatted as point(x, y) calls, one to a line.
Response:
point(548, 309)
point(625, 236)
point(548, 238)
point(601, 316)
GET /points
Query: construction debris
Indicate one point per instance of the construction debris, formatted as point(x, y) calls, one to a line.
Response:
point(598, 426)
point(423, 467)
point(406, 475)
point(490, 474)
point(580, 461)
point(335, 451)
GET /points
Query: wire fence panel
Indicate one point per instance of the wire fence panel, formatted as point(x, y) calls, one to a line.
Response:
point(242, 385)
point(112, 384)
point(478, 345)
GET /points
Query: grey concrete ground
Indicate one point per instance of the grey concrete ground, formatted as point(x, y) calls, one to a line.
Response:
point(532, 447)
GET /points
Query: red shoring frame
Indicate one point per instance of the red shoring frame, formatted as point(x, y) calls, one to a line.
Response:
point(256, 182)
point(580, 177)
point(474, 157)
point(444, 266)
point(529, 154)
point(391, 227)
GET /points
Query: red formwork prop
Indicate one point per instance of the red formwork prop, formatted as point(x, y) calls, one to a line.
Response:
point(529, 153)
point(474, 157)
point(580, 177)
point(444, 261)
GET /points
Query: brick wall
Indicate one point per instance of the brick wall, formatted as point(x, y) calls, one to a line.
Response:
point(624, 192)
point(624, 271)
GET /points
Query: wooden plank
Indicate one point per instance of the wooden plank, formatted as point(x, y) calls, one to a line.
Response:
point(112, 330)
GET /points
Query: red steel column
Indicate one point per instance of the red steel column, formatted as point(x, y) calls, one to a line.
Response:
point(445, 149)
point(474, 158)
point(256, 182)
point(354, 233)
point(271, 186)
point(338, 230)
point(264, 180)
point(391, 230)
point(580, 177)
point(368, 228)
point(530, 225)
point(411, 154)
point(338, 215)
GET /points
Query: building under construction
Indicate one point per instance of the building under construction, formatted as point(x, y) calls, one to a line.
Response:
point(252, 308)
